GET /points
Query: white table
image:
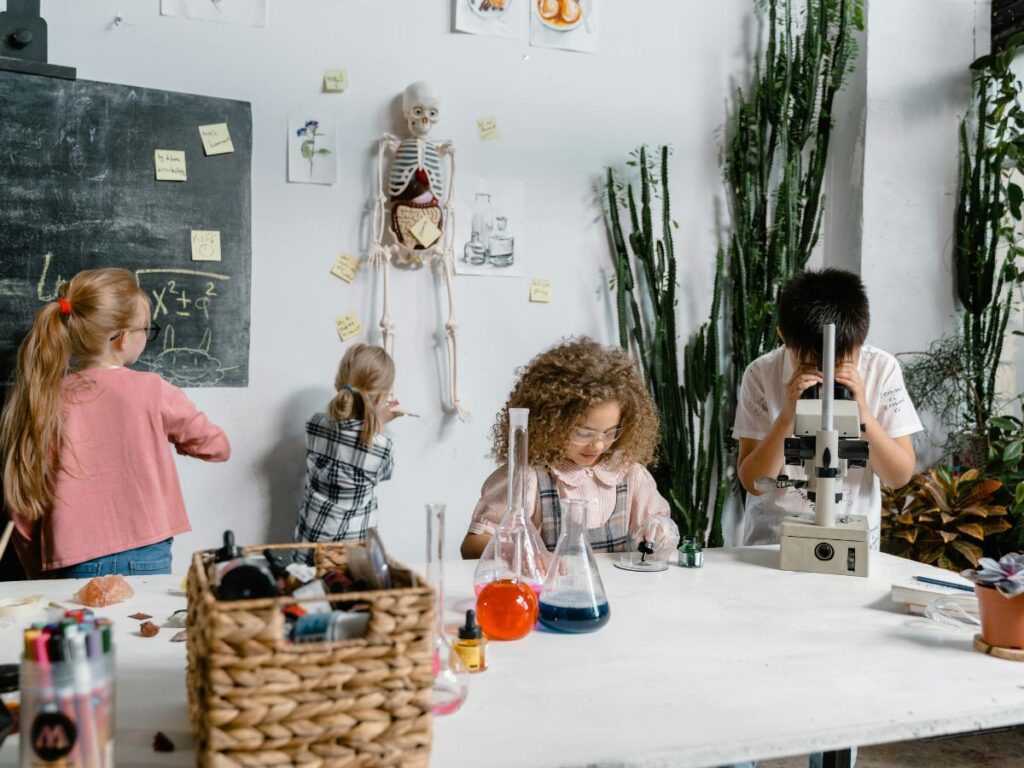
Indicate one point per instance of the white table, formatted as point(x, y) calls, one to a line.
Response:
point(735, 661)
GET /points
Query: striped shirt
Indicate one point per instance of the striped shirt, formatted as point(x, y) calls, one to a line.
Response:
point(338, 501)
point(574, 482)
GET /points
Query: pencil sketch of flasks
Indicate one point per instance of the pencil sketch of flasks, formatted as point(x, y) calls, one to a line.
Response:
point(187, 366)
point(490, 240)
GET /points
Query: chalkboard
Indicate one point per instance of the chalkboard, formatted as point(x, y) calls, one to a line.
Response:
point(78, 190)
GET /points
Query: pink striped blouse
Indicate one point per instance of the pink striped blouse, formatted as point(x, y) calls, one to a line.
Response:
point(574, 482)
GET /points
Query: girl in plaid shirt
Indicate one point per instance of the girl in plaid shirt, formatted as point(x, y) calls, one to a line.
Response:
point(346, 452)
point(593, 428)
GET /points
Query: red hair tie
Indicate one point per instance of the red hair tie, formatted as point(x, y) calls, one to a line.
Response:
point(65, 306)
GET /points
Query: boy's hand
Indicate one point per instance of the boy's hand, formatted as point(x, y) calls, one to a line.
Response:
point(803, 378)
point(390, 411)
point(848, 375)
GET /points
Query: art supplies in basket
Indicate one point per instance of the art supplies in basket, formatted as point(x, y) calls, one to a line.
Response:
point(357, 687)
point(67, 693)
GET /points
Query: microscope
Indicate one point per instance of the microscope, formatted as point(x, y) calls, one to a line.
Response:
point(826, 443)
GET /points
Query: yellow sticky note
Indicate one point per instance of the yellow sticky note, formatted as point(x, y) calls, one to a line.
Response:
point(487, 128)
point(425, 231)
point(205, 245)
point(216, 139)
point(335, 80)
point(540, 291)
point(170, 165)
point(348, 326)
point(345, 267)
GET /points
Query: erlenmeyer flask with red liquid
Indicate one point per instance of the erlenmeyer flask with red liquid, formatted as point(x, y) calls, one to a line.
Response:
point(507, 608)
point(534, 556)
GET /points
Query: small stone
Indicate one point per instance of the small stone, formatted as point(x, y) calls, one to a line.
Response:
point(180, 637)
point(148, 629)
point(140, 616)
point(161, 743)
point(104, 590)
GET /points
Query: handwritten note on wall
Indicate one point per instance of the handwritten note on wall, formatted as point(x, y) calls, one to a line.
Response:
point(487, 128)
point(216, 139)
point(345, 267)
point(170, 165)
point(335, 80)
point(205, 245)
point(348, 326)
point(540, 291)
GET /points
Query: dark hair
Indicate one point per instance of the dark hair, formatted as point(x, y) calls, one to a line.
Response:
point(811, 300)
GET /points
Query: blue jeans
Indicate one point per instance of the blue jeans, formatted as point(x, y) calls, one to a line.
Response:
point(142, 561)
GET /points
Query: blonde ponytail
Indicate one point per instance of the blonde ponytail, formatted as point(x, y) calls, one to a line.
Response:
point(364, 374)
point(70, 332)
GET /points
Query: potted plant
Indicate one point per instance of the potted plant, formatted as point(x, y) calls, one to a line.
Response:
point(1000, 590)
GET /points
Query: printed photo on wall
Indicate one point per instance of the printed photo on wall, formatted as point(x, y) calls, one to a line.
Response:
point(489, 227)
point(251, 13)
point(312, 152)
point(567, 24)
point(497, 18)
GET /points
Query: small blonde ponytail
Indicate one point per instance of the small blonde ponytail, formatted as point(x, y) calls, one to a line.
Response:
point(364, 374)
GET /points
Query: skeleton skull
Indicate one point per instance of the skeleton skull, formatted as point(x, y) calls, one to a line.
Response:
point(421, 107)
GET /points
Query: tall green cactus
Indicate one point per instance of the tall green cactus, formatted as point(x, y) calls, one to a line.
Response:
point(774, 167)
point(691, 413)
point(986, 229)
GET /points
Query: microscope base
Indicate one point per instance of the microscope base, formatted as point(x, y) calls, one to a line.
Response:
point(841, 549)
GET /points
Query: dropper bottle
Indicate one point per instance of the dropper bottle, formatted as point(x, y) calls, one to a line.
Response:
point(471, 644)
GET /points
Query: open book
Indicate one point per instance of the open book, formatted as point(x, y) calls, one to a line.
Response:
point(917, 594)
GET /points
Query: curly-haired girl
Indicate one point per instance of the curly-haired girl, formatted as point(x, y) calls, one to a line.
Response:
point(593, 429)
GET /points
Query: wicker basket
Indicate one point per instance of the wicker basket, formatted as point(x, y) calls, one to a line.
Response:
point(257, 700)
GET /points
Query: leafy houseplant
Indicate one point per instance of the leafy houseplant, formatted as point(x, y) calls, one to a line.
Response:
point(942, 519)
point(1000, 591)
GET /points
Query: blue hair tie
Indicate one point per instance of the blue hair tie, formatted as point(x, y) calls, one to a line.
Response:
point(348, 389)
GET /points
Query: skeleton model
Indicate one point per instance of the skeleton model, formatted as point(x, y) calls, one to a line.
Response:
point(417, 209)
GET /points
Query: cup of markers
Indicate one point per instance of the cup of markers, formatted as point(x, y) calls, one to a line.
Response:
point(67, 693)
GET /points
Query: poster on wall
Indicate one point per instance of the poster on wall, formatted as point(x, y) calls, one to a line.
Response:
point(489, 227)
point(250, 13)
point(496, 18)
point(312, 152)
point(567, 24)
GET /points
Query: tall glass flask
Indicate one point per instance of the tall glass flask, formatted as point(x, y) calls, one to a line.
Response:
point(496, 561)
point(451, 678)
point(573, 599)
point(506, 609)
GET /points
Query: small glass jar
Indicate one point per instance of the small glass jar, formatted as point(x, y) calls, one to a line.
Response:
point(691, 552)
point(475, 251)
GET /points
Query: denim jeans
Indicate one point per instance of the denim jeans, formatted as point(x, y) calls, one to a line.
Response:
point(142, 561)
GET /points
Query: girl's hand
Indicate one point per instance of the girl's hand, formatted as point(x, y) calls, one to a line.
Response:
point(390, 411)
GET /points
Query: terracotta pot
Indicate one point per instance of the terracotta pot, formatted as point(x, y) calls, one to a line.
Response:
point(1002, 618)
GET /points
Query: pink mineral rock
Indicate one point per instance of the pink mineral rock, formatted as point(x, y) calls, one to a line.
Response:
point(104, 590)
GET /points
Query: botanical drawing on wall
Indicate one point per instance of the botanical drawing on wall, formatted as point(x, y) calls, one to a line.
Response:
point(489, 227)
point(312, 152)
point(497, 18)
point(567, 24)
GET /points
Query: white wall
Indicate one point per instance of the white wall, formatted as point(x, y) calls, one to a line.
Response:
point(918, 89)
point(662, 75)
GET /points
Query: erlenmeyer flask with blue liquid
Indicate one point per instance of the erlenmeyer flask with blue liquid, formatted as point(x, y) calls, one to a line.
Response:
point(573, 598)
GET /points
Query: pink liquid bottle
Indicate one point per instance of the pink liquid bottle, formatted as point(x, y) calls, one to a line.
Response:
point(496, 560)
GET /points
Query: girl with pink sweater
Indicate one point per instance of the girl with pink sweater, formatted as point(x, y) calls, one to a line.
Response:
point(89, 479)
